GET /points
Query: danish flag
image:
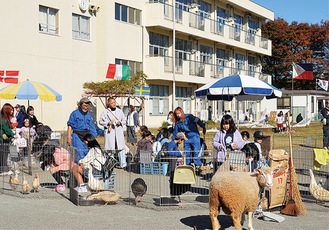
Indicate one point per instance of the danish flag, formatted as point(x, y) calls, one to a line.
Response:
point(9, 76)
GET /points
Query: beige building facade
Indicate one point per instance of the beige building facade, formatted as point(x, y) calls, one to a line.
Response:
point(65, 43)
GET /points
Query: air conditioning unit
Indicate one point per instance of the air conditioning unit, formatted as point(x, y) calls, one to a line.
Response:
point(93, 8)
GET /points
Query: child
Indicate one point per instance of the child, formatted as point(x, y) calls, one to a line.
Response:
point(279, 122)
point(56, 160)
point(245, 135)
point(258, 139)
point(28, 133)
point(252, 155)
point(80, 171)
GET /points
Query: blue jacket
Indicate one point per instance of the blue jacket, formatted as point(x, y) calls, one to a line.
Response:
point(189, 127)
point(20, 119)
point(173, 150)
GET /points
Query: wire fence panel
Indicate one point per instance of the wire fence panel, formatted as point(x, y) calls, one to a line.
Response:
point(158, 176)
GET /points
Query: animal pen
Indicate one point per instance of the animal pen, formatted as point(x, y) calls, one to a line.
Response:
point(157, 180)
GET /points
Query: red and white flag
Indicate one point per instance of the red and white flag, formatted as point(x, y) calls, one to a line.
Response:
point(9, 76)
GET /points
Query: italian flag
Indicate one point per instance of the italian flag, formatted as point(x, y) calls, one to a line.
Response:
point(118, 72)
point(9, 76)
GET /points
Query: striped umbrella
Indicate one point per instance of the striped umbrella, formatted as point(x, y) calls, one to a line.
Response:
point(30, 90)
point(242, 87)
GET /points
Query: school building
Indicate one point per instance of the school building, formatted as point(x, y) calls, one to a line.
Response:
point(179, 44)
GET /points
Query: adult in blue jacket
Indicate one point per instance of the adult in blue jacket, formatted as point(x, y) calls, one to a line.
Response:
point(79, 124)
point(188, 124)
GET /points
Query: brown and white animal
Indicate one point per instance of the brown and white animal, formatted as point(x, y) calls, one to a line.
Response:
point(26, 186)
point(14, 182)
point(36, 183)
point(139, 188)
point(317, 191)
point(109, 197)
point(237, 193)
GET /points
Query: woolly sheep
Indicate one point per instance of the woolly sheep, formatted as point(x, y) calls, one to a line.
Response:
point(237, 193)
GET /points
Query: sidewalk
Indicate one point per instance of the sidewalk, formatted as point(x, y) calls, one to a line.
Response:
point(55, 213)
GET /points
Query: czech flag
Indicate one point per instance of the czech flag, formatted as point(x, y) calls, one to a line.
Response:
point(302, 71)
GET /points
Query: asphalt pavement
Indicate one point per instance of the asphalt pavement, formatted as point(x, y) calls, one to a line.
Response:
point(57, 212)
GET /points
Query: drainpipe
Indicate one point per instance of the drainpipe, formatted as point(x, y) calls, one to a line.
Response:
point(174, 56)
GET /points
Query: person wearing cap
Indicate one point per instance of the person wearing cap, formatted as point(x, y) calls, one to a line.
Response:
point(188, 124)
point(258, 139)
point(113, 119)
point(174, 155)
point(79, 124)
point(226, 139)
point(325, 121)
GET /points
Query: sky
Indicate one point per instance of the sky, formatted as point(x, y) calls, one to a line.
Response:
point(301, 11)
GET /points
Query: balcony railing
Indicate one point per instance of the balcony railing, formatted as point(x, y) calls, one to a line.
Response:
point(198, 69)
point(218, 27)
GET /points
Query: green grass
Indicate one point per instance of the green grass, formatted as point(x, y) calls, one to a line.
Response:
point(310, 135)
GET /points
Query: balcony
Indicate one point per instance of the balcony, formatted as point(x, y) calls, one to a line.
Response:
point(161, 68)
point(161, 15)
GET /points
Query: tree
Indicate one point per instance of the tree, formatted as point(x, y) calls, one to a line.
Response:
point(297, 42)
point(115, 87)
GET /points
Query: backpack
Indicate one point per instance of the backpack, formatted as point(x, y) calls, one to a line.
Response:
point(163, 151)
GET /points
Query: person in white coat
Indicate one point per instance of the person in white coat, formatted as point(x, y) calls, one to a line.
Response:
point(113, 119)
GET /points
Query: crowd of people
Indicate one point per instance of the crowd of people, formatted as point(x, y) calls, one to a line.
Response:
point(82, 131)
point(183, 128)
point(21, 124)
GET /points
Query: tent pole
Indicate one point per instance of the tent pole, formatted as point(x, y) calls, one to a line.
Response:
point(29, 162)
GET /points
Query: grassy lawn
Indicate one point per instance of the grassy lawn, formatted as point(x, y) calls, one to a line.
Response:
point(310, 135)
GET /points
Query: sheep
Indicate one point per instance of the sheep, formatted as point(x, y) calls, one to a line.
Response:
point(237, 193)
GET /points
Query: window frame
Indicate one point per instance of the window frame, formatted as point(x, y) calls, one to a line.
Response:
point(127, 14)
point(159, 100)
point(80, 32)
point(46, 27)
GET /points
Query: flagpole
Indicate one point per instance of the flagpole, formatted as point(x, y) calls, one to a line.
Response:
point(292, 95)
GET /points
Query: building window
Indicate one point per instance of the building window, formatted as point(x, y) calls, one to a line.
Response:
point(183, 49)
point(183, 98)
point(159, 45)
point(127, 14)
point(221, 20)
point(80, 27)
point(239, 61)
point(206, 53)
point(251, 66)
point(283, 103)
point(159, 100)
point(134, 66)
point(48, 20)
point(221, 61)
point(237, 27)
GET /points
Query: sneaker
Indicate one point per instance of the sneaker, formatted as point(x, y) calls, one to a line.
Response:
point(6, 173)
point(81, 189)
point(60, 188)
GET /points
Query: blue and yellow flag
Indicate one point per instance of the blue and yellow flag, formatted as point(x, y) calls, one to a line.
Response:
point(142, 90)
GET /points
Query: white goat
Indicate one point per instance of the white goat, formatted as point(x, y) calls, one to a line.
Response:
point(237, 193)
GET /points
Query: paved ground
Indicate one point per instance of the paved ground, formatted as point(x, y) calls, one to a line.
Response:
point(60, 213)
